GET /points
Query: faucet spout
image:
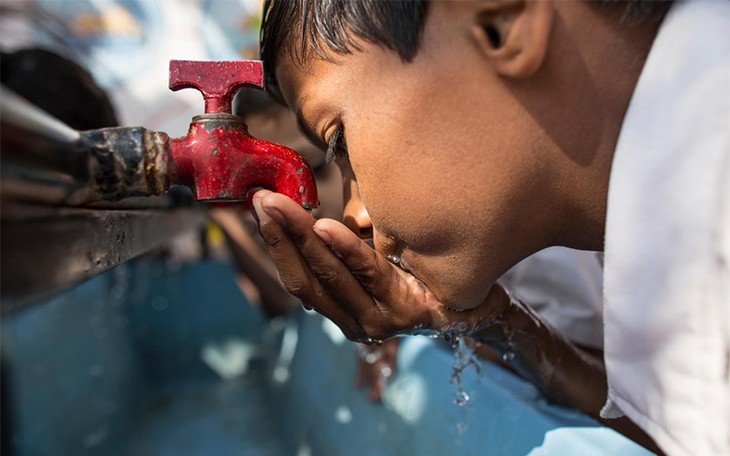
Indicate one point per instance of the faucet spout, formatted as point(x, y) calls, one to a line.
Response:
point(218, 158)
point(220, 161)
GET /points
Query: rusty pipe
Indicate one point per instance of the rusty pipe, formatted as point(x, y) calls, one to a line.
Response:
point(217, 159)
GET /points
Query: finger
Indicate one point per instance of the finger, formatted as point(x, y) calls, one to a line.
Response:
point(294, 270)
point(391, 287)
point(329, 270)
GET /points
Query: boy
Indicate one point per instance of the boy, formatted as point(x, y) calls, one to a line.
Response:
point(548, 103)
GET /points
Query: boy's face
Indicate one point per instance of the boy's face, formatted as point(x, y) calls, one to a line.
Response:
point(442, 154)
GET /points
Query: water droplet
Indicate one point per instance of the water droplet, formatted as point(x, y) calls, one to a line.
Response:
point(395, 259)
point(461, 398)
point(464, 357)
point(370, 341)
point(508, 356)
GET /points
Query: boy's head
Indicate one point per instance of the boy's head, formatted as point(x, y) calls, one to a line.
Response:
point(476, 132)
point(312, 28)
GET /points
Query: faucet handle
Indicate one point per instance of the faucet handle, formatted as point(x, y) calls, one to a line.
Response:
point(217, 81)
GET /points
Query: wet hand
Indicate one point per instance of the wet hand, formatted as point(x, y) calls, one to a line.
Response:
point(337, 274)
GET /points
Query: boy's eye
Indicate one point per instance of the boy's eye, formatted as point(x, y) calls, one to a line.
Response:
point(337, 147)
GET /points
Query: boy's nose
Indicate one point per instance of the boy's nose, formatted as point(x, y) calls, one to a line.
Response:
point(356, 217)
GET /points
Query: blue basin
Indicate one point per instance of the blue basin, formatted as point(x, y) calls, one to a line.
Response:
point(149, 359)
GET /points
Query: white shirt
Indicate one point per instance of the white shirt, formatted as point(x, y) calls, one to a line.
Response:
point(565, 287)
point(667, 255)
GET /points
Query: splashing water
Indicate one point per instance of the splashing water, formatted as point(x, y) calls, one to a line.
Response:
point(464, 357)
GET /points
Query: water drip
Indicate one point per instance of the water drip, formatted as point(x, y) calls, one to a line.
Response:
point(464, 357)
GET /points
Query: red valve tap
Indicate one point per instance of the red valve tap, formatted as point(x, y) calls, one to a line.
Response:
point(218, 158)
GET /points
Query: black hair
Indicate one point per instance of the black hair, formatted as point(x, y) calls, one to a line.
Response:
point(309, 28)
point(319, 26)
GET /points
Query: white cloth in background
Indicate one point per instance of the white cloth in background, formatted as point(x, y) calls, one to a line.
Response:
point(565, 287)
point(667, 256)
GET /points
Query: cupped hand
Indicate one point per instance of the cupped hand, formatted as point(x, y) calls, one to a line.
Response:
point(337, 274)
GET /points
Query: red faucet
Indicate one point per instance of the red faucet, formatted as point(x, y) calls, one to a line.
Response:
point(218, 158)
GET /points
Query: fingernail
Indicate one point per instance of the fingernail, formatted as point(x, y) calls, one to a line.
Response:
point(264, 214)
point(324, 235)
point(258, 212)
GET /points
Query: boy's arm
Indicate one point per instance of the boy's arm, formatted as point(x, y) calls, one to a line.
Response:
point(537, 352)
point(562, 371)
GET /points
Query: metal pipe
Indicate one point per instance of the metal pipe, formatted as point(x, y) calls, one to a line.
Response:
point(33, 138)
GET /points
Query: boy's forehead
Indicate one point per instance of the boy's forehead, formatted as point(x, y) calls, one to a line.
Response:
point(292, 71)
point(292, 77)
point(302, 85)
point(324, 86)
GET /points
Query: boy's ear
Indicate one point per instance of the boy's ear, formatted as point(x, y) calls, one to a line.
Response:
point(513, 34)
